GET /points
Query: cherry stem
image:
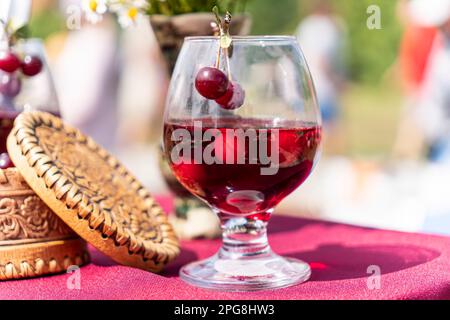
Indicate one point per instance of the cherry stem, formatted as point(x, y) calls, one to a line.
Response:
point(218, 57)
point(227, 62)
point(224, 31)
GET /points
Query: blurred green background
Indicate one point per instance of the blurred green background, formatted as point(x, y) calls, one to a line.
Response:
point(372, 102)
point(370, 52)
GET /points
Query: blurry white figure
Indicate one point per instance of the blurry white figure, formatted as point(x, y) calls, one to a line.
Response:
point(113, 88)
point(143, 88)
point(144, 82)
point(322, 38)
point(433, 110)
point(87, 80)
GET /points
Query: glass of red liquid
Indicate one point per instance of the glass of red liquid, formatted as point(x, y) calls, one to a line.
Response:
point(25, 84)
point(242, 130)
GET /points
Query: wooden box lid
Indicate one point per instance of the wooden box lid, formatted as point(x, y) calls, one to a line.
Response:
point(91, 191)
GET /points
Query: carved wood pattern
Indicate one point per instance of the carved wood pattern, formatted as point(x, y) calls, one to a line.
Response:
point(96, 180)
point(34, 241)
point(80, 181)
point(23, 215)
point(41, 258)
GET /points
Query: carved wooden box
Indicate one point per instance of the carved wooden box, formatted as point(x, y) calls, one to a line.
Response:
point(33, 240)
point(77, 190)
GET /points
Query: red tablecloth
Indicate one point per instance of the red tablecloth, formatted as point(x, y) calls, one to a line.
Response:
point(413, 266)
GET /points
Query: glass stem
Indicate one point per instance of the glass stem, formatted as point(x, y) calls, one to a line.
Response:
point(243, 237)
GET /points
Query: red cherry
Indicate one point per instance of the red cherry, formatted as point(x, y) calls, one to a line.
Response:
point(9, 61)
point(31, 65)
point(10, 85)
point(5, 161)
point(233, 98)
point(211, 83)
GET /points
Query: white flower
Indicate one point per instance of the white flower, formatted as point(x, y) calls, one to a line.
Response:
point(94, 10)
point(128, 17)
point(128, 11)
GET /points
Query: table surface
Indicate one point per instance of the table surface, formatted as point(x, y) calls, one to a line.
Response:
point(342, 257)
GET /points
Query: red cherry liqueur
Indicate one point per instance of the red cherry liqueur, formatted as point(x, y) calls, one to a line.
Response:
point(241, 188)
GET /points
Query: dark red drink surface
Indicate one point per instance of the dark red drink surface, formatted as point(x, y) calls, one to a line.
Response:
point(241, 188)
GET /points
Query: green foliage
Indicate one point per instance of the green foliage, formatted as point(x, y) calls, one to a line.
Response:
point(370, 52)
point(174, 7)
point(274, 17)
point(46, 23)
point(22, 33)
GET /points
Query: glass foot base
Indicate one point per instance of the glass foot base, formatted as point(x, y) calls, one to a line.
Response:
point(269, 271)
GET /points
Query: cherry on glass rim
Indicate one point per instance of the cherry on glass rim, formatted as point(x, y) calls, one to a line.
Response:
point(9, 62)
point(5, 161)
point(31, 65)
point(10, 85)
point(211, 83)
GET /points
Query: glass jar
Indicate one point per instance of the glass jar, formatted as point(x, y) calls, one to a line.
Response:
point(28, 87)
